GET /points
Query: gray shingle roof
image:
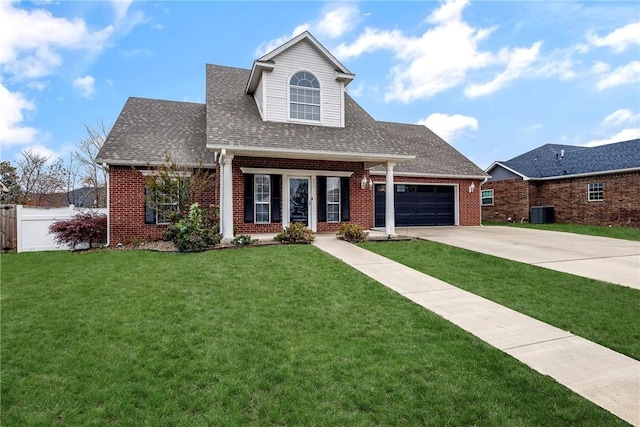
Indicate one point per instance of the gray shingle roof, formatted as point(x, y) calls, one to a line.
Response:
point(233, 121)
point(148, 129)
point(547, 161)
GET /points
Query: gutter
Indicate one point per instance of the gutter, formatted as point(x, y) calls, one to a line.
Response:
point(137, 163)
point(582, 175)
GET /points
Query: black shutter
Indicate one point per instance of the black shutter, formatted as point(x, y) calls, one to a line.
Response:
point(248, 197)
point(149, 212)
point(276, 197)
point(344, 199)
point(322, 199)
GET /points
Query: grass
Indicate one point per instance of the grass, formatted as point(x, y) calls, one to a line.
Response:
point(277, 335)
point(601, 312)
point(626, 233)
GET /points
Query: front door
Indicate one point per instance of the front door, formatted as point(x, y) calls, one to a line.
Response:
point(299, 200)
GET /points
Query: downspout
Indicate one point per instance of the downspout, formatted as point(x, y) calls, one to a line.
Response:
point(106, 167)
point(484, 181)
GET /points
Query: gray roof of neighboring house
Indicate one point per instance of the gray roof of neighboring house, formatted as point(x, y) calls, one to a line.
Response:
point(147, 130)
point(547, 161)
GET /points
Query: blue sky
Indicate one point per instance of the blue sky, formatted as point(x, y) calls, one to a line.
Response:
point(493, 78)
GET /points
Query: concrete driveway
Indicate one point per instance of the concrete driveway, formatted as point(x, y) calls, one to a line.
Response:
point(611, 260)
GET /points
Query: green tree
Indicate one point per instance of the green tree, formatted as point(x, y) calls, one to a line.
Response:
point(9, 178)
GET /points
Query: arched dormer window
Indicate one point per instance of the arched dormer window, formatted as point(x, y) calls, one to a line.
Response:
point(304, 96)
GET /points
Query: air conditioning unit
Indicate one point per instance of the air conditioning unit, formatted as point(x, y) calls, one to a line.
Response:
point(542, 215)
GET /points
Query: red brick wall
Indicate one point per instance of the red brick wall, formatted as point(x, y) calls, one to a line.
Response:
point(569, 197)
point(510, 200)
point(469, 202)
point(127, 206)
point(360, 201)
point(127, 202)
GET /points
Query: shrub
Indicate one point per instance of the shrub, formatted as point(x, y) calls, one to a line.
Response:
point(352, 232)
point(85, 227)
point(243, 240)
point(192, 232)
point(295, 233)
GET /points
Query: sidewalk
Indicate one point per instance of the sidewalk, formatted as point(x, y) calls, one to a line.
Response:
point(607, 378)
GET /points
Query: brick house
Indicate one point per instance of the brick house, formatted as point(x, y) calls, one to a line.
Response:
point(596, 186)
point(284, 142)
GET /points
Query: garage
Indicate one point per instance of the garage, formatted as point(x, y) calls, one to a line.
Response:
point(417, 205)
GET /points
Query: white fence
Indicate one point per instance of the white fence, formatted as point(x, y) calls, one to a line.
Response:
point(33, 226)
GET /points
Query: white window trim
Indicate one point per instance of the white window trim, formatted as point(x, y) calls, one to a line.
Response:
point(492, 198)
point(591, 192)
point(291, 119)
point(334, 203)
point(255, 200)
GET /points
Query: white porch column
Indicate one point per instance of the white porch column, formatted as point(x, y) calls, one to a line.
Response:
point(390, 212)
point(226, 197)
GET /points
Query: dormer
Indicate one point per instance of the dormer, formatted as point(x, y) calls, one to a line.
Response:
point(300, 82)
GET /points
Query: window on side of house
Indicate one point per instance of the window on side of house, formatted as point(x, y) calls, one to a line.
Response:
point(262, 198)
point(596, 191)
point(333, 199)
point(304, 97)
point(487, 197)
point(160, 204)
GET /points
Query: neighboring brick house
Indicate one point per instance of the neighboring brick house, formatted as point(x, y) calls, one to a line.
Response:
point(286, 143)
point(597, 185)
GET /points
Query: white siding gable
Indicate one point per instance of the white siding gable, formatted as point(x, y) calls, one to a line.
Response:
point(274, 101)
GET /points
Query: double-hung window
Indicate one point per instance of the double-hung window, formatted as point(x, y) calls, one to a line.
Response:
point(165, 198)
point(333, 199)
point(304, 97)
point(596, 191)
point(487, 197)
point(262, 198)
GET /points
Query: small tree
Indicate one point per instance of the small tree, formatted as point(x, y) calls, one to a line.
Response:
point(171, 186)
point(40, 179)
point(9, 177)
point(85, 227)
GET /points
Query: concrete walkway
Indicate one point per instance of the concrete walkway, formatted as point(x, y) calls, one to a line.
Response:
point(605, 377)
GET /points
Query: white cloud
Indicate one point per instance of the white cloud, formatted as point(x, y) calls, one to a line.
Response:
point(623, 135)
point(12, 106)
point(518, 61)
point(31, 40)
point(338, 21)
point(121, 7)
point(624, 74)
point(449, 126)
point(618, 40)
point(333, 23)
point(38, 85)
point(533, 128)
point(624, 122)
point(425, 65)
point(620, 117)
point(600, 67)
point(85, 85)
point(267, 47)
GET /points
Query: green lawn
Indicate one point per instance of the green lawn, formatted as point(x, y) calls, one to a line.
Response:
point(626, 233)
point(601, 312)
point(277, 335)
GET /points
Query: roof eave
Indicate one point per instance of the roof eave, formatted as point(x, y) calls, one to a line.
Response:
point(494, 164)
point(156, 163)
point(256, 74)
point(432, 175)
point(311, 154)
point(582, 175)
